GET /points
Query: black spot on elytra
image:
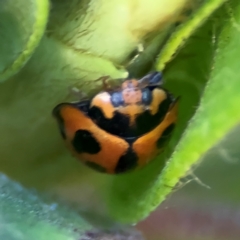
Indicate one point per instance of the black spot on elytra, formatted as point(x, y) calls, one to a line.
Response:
point(84, 142)
point(127, 161)
point(95, 166)
point(165, 135)
point(146, 121)
point(117, 125)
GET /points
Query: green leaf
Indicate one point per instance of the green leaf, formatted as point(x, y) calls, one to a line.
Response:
point(178, 38)
point(65, 58)
point(22, 26)
point(24, 215)
point(134, 196)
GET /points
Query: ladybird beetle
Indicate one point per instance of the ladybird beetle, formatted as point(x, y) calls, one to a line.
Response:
point(119, 130)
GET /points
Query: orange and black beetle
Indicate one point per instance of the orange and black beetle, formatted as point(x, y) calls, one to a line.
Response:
point(117, 131)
